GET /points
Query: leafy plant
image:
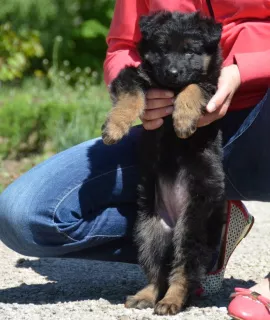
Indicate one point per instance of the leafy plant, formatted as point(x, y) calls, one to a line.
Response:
point(60, 116)
point(16, 49)
point(82, 24)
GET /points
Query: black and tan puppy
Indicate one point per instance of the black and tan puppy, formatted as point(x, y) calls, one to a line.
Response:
point(181, 193)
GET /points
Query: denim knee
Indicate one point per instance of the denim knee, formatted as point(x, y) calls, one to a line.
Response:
point(77, 199)
point(27, 207)
point(21, 229)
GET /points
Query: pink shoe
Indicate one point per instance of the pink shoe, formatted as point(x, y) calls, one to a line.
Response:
point(248, 305)
point(238, 226)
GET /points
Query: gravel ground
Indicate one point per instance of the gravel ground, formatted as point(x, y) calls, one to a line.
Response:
point(36, 289)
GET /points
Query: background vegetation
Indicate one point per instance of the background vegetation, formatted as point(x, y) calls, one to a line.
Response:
point(52, 94)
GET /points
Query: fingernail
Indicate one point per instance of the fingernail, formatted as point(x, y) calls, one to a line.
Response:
point(169, 110)
point(211, 106)
point(169, 94)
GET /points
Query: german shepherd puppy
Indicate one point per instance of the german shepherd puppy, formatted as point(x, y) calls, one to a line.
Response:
point(181, 192)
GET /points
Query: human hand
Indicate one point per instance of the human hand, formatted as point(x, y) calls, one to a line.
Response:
point(159, 104)
point(217, 107)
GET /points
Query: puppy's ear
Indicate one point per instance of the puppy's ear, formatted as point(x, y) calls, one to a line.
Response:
point(211, 32)
point(148, 24)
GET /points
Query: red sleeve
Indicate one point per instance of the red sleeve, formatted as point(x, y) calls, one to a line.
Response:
point(254, 67)
point(123, 36)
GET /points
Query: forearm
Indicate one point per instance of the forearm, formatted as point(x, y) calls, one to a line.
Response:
point(123, 37)
point(120, 54)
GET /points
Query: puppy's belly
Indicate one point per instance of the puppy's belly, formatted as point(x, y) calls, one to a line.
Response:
point(172, 201)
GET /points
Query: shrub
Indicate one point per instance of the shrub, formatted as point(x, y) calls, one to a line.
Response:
point(82, 24)
point(16, 49)
point(61, 116)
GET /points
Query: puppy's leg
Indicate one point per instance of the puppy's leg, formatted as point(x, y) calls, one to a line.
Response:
point(154, 248)
point(176, 295)
point(191, 258)
point(129, 103)
point(189, 106)
point(127, 109)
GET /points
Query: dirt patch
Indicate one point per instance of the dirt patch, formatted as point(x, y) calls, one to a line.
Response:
point(12, 169)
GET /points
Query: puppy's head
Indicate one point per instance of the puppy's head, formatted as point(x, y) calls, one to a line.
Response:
point(177, 49)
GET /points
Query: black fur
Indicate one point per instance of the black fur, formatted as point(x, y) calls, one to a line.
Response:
point(172, 49)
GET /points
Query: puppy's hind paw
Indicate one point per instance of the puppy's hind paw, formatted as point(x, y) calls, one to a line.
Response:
point(145, 298)
point(164, 307)
point(138, 303)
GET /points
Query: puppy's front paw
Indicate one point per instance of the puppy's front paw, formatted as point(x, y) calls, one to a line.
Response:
point(184, 129)
point(189, 106)
point(112, 132)
point(127, 109)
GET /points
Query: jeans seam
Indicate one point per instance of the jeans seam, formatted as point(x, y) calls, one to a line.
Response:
point(232, 184)
point(256, 112)
point(258, 109)
point(74, 188)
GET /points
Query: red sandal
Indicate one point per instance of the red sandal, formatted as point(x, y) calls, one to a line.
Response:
point(249, 305)
point(239, 223)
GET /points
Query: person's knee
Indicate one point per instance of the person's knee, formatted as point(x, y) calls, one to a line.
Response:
point(17, 222)
point(12, 221)
point(26, 222)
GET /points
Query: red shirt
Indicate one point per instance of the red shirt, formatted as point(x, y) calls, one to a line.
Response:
point(245, 39)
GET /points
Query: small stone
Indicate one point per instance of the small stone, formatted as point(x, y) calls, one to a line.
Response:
point(21, 261)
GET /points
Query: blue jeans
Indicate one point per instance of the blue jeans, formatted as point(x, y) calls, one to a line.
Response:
point(82, 202)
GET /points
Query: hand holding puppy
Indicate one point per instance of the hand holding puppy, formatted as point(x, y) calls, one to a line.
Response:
point(160, 102)
point(229, 82)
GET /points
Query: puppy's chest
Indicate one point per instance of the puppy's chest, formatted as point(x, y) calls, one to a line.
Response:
point(178, 163)
point(172, 200)
point(172, 187)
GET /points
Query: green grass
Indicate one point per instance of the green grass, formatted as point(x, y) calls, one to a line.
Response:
point(33, 116)
point(37, 121)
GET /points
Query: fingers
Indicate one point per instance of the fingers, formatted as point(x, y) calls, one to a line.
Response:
point(211, 117)
point(158, 103)
point(229, 82)
point(153, 124)
point(218, 99)
point(157, 113)
point(159, 94)
point(152, 119)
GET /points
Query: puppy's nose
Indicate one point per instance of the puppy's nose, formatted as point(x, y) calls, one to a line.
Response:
point(173, 72)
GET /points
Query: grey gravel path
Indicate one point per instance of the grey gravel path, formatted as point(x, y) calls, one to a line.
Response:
point(52, 289)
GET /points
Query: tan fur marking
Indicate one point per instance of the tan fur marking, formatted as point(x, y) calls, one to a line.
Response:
point(126, 110)
point(188, 109)
point(175, 296)
point(206, 62)
point(145, 298)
